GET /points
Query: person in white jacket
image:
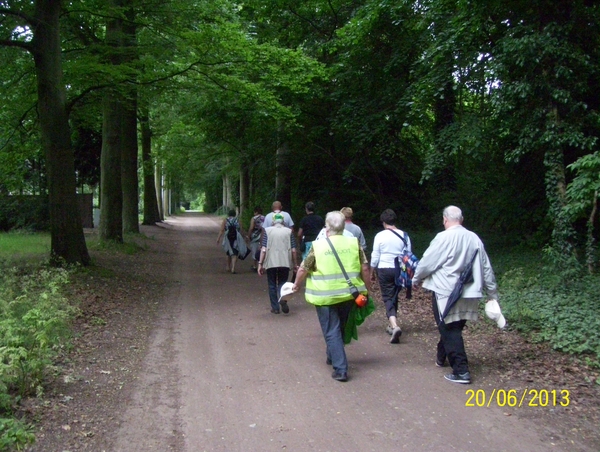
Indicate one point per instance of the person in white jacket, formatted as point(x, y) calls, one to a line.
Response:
point(439, 270)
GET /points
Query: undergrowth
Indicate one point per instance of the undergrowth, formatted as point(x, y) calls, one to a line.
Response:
point(34, 319)
point(558, 303)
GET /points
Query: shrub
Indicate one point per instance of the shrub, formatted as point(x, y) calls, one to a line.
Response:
point(14, 434)
point(34, 318)
point(24, 212)
point(555, 306)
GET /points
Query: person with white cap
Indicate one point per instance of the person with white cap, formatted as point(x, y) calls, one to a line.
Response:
point(277, 256)
point(439, 270)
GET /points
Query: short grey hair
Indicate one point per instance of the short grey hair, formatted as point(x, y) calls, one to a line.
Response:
point(453, 213)
point(335, 222)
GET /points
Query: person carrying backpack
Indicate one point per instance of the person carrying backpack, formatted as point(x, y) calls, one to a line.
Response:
point(233, 243)
point(387, 245)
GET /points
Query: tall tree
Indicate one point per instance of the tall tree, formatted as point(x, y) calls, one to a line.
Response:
point(111, 194)
point(129, 150)
point(67, 239)
point(150, 198)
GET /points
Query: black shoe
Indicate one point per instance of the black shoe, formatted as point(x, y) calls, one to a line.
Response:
point(284, 306)
point(274, 311)
point(440, 363)
point(339, 376)
point(328, 361)
point(396, 333)
point(464, 379)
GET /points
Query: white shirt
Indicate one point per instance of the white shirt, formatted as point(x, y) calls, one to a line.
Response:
point(387, 246)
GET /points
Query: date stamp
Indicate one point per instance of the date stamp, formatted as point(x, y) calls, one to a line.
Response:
point(518, 398)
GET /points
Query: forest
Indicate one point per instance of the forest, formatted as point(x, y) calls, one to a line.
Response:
point(491, 105)
point(411, 105)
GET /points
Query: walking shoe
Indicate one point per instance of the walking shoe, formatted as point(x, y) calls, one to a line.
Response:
point(460, 378)
point(440, 363)
point(339, 376)
point(274, 311)
point(389, 330)
point(284, 306)
point(396, 333)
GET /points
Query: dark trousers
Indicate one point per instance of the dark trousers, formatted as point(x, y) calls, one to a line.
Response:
point(276, 277)
point(389, 290)
point(451, 344)
point(333, 319)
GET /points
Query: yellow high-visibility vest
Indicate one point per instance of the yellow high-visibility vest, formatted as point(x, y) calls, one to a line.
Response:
point(327, 284)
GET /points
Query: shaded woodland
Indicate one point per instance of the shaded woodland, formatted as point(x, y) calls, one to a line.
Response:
point(490, 105)
point(149, 105)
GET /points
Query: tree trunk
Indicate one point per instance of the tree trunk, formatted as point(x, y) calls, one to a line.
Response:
point(590, 248)
point(67, 239)
point(159, 190)
point(244, 188)
point(129, 150)
point(556, 193)
point(283, 177)
point(444, 110)
point(111, 207)
point(129, 167)
point(166, 196)
point(227, 192)
point(151, 212)
point(111, 204)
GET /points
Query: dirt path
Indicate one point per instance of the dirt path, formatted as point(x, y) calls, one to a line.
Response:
point(171, 353)
point(224, 374)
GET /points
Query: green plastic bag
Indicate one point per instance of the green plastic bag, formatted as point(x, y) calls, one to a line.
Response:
point(356, 317)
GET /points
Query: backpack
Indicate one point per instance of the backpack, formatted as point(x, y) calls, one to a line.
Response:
point(232, 229)
point(405, 264)
point(258, 221)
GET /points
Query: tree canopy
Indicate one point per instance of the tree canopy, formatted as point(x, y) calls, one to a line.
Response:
point(491, 105)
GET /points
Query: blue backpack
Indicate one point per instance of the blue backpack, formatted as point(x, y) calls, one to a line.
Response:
point(405, 265)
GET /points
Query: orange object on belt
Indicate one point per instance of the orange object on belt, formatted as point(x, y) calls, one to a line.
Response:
point(361, 300)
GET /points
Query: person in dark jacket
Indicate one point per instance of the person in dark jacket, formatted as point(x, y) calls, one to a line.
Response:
point(310, 226)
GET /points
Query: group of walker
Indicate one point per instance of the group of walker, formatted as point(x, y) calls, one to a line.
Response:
point(334, 261)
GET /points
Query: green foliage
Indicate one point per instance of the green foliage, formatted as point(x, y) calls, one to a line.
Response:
point(559, 307)
point(132, 244)
point(20, 245)
point(585, 186)
point(24, 212)
point(14, 434)
point(34, 320)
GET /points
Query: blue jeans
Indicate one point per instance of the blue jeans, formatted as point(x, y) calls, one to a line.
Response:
point(333, 320)
point(308, 247)
point(276, 277)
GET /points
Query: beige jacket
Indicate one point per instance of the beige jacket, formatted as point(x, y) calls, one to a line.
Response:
point(279, 247)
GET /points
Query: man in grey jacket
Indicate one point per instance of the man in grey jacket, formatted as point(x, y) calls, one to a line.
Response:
point(439, 270)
